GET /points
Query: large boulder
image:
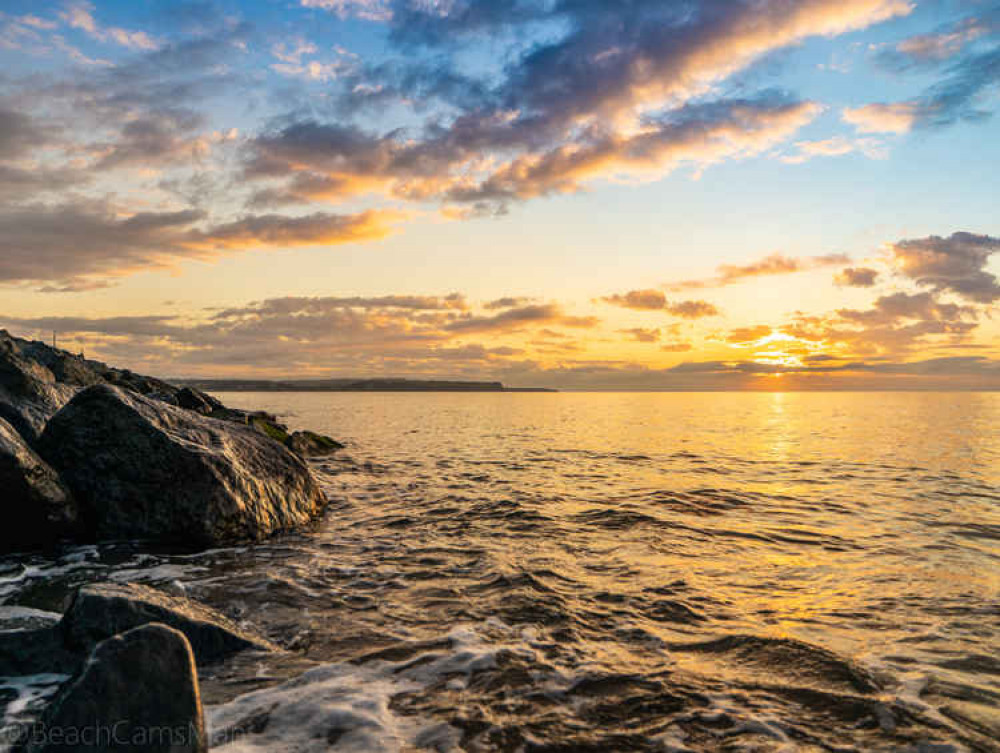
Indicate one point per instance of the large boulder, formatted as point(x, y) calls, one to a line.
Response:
point(140, 468)
point(102, 610)
point(29, 390)
point(138, 691)
point(37, 507)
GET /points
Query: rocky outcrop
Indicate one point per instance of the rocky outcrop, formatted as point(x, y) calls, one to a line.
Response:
point(140, 468)
point(102, 610)
point(196, 400)
point(138, 691)
point(29, 390)
point(308, 444)
point(37, 507)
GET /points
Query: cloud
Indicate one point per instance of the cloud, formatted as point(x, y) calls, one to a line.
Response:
point(967, 57)
point(656, 300)
point(641, 335)
point(508, 302)
point(618, 91)
point(62, 242)
point(280, 231)
point(836, 146)
point(20, 133)
point(938, 46)
point(955, 264)
point(748, 335)
point(518, 318)
point(80, 15)
point(857, 277)
point(371, 10)
point(891, 308)
point(897, 117)
point(774, 264)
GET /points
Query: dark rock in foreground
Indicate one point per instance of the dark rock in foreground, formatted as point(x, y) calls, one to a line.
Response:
point(102, 610)
point(37, 507)
point(38, 651)
point(137, 692)
point(140, 468)
point(308, 444)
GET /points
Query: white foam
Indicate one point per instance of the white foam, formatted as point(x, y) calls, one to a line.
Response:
point(13, 617)
point(351, 704)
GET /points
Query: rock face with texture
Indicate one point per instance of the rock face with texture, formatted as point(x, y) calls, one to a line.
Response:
point(37, 507)
point(140, 468)
point(102, 610)
point(196, 400)
point(138, 691)
point(29, 391)
point(308, 444)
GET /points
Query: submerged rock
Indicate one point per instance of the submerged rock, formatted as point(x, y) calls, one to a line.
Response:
point(38, 508)
point(102, 610)
point(308, 444)
point(138, 691)
point(140, 468)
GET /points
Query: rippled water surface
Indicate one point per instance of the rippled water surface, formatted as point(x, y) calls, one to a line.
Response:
point(611, 572)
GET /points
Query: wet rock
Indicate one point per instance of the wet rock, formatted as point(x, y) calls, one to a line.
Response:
point(308, 444)
point(196, 400)
point(27, 387)
point(143, 469)
point(38, 651)
point(138, 691)
point(38, 508)
point(163, 397)
point(102, 610)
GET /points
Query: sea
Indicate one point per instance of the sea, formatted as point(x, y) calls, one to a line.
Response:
point(602, 572)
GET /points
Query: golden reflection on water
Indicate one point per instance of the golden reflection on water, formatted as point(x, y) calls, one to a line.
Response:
point(858, 520)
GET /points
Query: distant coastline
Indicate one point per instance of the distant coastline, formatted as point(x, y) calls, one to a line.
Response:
point(350, 385)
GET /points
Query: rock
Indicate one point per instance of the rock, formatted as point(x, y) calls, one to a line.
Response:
point(37, 507)
point(196, 400)
point(269, 427)
point(163, 397)
point(143, 469)
point(38, 651)
point(137, 692)
point(308, 444)
point(102, 610)
point(28, 387)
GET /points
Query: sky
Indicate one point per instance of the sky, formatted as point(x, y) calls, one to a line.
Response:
point(584, 194)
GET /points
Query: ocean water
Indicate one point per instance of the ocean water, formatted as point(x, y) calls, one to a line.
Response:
point(606, 572)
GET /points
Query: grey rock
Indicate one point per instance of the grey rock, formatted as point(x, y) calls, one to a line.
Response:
point(163, 397)
point(37, 507)
point(143, 469)
point(138, 691)
point(38, 651)
point(308, 444)
point(196, 400)
point(102, 610)
point(27, 386)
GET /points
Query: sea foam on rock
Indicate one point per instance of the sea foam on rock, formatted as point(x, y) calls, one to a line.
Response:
point(140, 468)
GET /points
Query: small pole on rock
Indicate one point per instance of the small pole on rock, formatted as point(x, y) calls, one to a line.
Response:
point(53, 339)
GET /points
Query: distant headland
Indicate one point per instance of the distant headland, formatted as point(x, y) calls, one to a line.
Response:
point(351, 385)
